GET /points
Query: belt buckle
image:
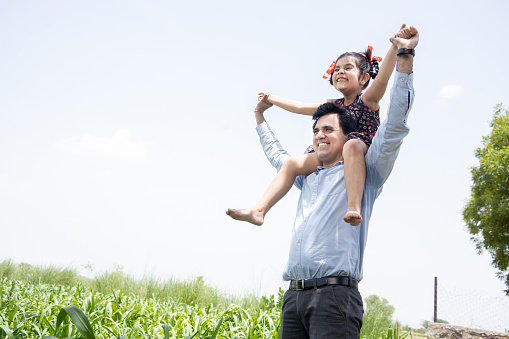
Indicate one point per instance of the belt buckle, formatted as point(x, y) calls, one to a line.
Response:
point(299, 285)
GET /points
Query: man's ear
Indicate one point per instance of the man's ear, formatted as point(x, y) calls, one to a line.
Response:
point(364, 78)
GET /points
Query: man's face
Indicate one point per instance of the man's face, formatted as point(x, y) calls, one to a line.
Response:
point(329, 140)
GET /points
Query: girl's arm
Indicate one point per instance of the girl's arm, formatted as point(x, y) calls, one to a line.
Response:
point(372, 95)
point(293, 105)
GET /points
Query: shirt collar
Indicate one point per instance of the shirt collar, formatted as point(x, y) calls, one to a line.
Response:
point(319, 168)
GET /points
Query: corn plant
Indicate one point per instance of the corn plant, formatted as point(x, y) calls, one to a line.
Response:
point(50, 302)
point(46, 311)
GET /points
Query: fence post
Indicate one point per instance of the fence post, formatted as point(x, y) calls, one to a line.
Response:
point(435, 313)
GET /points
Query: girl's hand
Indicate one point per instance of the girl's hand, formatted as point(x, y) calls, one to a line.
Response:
point(264, 96)
point(407, 37)
point(404, 32)
point(263, 102)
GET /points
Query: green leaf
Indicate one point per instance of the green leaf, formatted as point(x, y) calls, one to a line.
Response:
point(47, 323)
point(166, 330)
point(191, 336)
point(216, 331)
point(78, 318)
point(13, 313)
point(7, 331)
point(1, 294)
point(61, 316)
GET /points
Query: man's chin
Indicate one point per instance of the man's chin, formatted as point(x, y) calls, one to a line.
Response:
point(321, 155)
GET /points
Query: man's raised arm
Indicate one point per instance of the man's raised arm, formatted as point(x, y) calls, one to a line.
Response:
point(387, 142)
point(274, 152)
point(271, 146)
point(405, 53)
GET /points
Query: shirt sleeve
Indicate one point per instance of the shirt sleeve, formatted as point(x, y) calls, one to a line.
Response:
point(273, 150)
point(387, 141)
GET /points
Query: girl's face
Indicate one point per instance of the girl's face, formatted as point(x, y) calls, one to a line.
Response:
point(347, 78)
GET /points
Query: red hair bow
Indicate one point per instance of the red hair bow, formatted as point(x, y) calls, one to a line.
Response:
point(369, 52)
point(330, 70)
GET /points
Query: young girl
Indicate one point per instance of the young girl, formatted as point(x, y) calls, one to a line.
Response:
point(351, 75)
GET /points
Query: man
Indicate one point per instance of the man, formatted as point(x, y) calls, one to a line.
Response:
point(326, 254)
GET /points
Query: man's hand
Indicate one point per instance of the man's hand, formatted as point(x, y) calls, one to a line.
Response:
point(407, 37)
point(262, 106)
point(263, 102)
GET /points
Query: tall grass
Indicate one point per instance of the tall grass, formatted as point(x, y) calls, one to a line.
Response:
point(40, 274)
point(193, 292)
point(187, 292)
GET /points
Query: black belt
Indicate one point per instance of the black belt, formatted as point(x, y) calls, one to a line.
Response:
point(305, 284)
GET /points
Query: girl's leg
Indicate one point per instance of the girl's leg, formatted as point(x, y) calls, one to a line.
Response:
point(355, 176)
point(294, 166)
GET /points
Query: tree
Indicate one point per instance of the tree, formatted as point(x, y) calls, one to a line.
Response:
point(486, 214)
point(377, 316)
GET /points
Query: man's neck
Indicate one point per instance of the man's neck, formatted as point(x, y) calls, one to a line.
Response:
point(333, 163)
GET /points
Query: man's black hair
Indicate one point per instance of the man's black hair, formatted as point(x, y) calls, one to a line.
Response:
point(347, 119)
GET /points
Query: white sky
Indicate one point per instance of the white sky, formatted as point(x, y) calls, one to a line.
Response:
point(126, 130)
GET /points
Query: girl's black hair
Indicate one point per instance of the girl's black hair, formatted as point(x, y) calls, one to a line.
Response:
point(363, 64)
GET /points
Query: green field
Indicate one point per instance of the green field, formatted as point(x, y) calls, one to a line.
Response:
point(51, 302)
point(32, 311)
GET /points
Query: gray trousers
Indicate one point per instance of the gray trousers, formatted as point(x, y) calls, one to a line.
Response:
point(332, 311)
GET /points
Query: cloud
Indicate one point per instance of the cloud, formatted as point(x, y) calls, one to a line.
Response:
point(450, 91)
point(119, 146)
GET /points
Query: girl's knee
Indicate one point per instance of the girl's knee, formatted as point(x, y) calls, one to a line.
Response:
point(290, 165)
point(301, 164)
point(354, 147)
point(290, 162)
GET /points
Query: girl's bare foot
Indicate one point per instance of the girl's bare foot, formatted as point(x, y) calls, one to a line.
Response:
point(251, 215)
point(353, 218)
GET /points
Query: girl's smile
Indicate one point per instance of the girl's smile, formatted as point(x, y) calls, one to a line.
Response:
point(347, 78)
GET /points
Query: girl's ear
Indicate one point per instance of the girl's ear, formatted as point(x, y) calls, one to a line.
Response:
point(364, 78)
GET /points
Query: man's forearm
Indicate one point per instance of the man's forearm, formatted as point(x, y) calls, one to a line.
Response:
point(405, 63)
point(260, 119)
point(387, 141)
point(272, 148)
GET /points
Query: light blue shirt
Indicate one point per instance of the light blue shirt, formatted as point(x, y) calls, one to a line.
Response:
point(322, 243)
